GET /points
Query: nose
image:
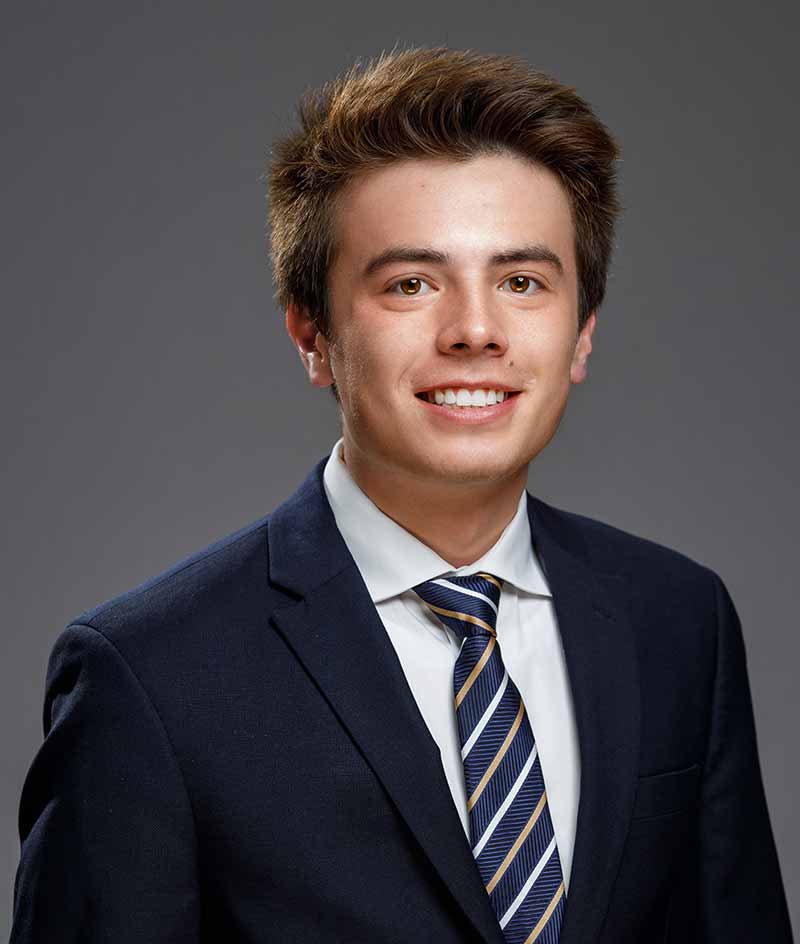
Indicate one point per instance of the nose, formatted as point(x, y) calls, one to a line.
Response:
point(472, 325)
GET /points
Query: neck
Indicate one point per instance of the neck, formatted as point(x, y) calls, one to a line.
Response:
point(459, 521)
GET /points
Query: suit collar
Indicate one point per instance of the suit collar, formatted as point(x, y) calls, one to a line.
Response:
point(334, 629)
point(391, 559)
point(306, 549)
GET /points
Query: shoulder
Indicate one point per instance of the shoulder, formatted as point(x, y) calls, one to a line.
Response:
point(674, 605)
point(641, 564)
point(217, 582)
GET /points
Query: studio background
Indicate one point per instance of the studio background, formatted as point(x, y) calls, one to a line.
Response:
point(152, 401)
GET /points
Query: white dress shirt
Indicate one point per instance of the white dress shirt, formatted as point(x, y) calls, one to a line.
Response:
point(391, 561)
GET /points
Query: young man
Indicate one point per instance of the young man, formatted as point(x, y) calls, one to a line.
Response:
point(415, 702)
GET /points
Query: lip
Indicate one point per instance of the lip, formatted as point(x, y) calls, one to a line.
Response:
point(467, 385)
point(471, 416)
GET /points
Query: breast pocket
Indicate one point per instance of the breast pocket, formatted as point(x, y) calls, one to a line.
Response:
point(673, 791)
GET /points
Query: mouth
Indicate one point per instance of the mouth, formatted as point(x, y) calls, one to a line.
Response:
point(462, 398)
point(468, 408)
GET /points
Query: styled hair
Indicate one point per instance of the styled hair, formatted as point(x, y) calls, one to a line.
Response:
point(423, 103)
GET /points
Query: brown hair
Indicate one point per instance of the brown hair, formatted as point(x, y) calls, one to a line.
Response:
point(434, 102)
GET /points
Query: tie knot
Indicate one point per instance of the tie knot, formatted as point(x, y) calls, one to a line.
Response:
point(468, 605)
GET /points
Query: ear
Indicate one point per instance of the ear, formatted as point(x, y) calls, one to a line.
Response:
point(583, 348)
point(310, 344)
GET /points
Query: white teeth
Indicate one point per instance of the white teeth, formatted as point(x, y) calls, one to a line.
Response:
point(466, 398)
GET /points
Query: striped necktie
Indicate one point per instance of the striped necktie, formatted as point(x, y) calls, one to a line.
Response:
point(511, 831)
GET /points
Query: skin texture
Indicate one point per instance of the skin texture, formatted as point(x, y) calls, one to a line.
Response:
point(454, 486)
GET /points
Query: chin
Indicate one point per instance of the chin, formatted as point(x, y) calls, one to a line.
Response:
point(459, 466)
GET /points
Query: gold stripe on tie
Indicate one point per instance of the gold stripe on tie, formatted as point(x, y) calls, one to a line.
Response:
point(491, 579)
point(498, 757)
point(515, 848)
point(467, 617)
point(545, 917)
point(468, 682)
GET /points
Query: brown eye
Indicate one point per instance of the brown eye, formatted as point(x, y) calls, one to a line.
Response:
point(410, 286)
point(521, 283)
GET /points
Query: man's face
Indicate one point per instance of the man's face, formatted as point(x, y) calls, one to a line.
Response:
point(421, 300)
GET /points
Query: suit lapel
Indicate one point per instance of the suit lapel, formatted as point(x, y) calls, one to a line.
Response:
point(334, 629)
point(601, 661)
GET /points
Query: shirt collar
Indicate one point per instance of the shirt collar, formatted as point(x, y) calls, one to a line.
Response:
point(391, 560)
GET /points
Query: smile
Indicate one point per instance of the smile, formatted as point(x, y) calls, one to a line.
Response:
point(463, 397)
point(474, 412)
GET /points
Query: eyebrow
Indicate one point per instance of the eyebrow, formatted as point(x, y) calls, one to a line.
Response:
point(534, 252)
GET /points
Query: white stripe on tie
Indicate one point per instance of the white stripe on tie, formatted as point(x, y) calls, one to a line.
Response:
point(485, 718)
point(512, 909)
point(465, 590)
point(487, 833)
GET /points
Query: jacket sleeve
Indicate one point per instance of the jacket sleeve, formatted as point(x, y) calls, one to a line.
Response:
point(741, 892)
point(108, 846)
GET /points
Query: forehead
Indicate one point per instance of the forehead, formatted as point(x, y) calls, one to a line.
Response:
point(469, 209)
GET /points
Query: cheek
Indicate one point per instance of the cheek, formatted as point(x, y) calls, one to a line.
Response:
point(349, 359)
point(375, 354)
point(361, 371)
point(549, 348)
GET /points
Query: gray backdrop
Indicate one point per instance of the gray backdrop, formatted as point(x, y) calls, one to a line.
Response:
point(152, 400)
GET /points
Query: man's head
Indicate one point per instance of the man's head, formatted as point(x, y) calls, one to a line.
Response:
point(444, 218)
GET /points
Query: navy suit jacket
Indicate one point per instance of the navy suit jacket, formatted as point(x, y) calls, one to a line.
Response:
point(232, 753)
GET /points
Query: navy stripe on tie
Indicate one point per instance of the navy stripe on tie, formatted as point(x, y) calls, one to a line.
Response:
point(511, 830)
